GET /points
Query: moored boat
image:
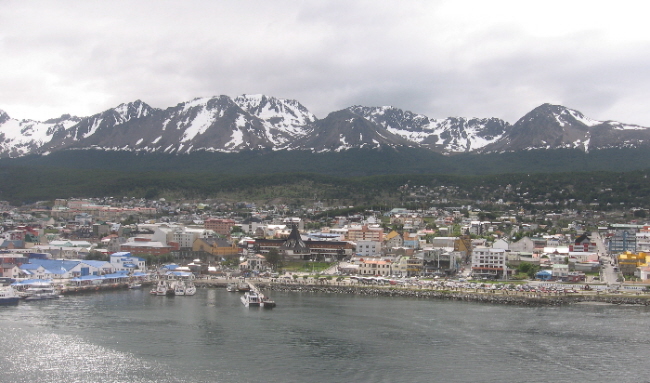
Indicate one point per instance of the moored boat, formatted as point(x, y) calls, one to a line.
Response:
point(135, 285)
point(8, 296)
point(190, 288)
point(162, 289)
point(243, 287)
point(251, 299)
point(267, 302)
point(179, 288)
point(41, 293)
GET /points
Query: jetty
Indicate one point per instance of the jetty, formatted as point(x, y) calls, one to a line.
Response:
point(457, 294)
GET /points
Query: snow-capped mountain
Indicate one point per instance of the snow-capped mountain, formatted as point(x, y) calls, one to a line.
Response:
point(453, 134)
point(254, 122)
point(554, 126)
point(346, 129)
point(19, 138)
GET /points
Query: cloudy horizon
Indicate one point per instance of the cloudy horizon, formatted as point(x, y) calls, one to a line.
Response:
point(437, 58)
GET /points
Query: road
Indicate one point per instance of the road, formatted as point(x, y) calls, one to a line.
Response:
point(607, 273)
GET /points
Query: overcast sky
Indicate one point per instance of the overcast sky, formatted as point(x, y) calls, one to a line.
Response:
point(438, 58)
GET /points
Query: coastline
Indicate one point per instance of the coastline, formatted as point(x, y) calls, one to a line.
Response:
point(467, 295)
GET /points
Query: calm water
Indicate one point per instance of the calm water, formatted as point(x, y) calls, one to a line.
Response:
point(130, 336)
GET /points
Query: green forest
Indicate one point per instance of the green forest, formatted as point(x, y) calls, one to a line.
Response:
point(24, 182)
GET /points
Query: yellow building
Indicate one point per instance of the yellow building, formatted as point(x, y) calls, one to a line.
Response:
point(628, 262)
point(216, 246)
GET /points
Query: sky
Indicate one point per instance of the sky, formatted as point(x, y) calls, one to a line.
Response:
point(437, 58)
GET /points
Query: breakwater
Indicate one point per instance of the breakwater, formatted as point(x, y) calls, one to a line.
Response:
point(467, 295)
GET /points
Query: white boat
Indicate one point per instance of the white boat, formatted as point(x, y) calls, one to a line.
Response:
point(135, 285)
point(179, 288)
point(41, 293)
point(251, 299)
point(162, 289)
point(8, 296)
point(190, 288)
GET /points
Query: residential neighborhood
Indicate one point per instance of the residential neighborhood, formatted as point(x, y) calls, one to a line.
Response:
point(76, 238)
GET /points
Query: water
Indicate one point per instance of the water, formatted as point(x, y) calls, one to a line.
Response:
point(131, 336)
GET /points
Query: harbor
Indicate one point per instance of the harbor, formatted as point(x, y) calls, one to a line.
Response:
point(127, 335)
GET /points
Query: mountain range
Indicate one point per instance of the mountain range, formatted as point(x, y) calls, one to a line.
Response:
point(256, 122)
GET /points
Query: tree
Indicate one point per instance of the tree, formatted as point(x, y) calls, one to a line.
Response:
point(274, 258)
point(528, 269)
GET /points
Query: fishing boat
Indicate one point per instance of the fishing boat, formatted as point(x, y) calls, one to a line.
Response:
point(8, 296)
point(179, 288)
point(190, 288)
point(267, 302)
point(251, 299)
point(162, 289)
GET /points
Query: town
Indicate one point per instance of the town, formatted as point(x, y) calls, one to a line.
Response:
point(77, 243)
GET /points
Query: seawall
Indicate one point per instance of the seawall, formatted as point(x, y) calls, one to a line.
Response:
point(468, 295)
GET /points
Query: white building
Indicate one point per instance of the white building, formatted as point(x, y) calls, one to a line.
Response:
point(185, 236)
point(368, 248)
point(488, 262)
point(124, 261)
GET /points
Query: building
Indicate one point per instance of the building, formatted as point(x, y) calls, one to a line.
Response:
point(124, 261)
point(393, 239)
point(368, 248)
point(376, 267)
point(628, 262)
point(185, 236)
point(358, 233)
point(488, 262)
point(217, 247)
point(140, 246)
point(219, 225)
point(294, 247)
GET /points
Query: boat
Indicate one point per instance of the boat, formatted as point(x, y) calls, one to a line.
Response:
point(243, 287)
point(251, 299)
point(162, 289)
point(190, 288)
point(267, 302)
point(135, 285)
point(41, 293)
point(8, 296)
point(179, 288)
point(231, 288)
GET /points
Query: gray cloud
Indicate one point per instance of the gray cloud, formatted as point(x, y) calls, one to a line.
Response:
point(436, 58)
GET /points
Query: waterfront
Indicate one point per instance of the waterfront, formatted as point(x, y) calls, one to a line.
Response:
point(131, 336)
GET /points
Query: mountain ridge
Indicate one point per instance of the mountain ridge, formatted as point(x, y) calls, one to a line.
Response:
point(259, 122)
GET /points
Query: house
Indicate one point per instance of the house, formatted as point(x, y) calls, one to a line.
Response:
point(393, 239)
point(253, 262)
point(501, 244)
point(524, 245)
point(583, 244)
point(411, 240)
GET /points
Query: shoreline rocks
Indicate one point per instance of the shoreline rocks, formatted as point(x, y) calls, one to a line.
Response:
point(527, 299)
